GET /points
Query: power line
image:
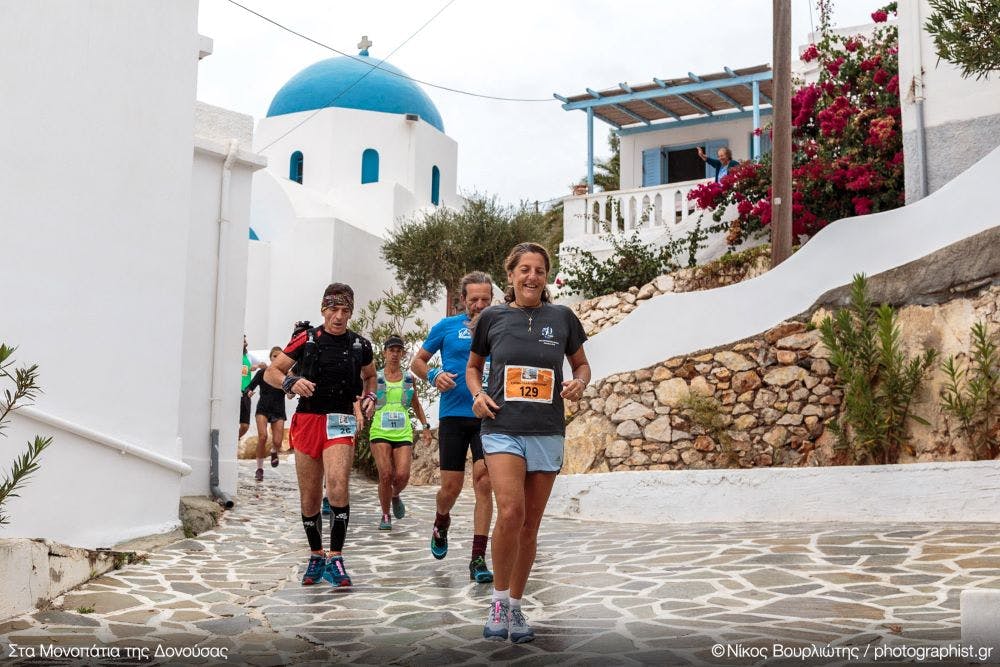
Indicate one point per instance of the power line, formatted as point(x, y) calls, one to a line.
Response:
point(399, 74)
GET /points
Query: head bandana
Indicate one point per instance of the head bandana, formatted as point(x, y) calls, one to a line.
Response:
point(334, 300)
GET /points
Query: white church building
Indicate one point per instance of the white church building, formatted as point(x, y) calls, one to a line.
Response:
point(353, 147)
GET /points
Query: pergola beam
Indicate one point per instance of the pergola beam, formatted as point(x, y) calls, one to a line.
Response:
point(724, 96)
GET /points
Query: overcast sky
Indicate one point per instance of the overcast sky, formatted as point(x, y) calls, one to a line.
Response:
point(517, 48)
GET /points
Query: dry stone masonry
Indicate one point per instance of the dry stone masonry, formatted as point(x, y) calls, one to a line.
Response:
point(770, 398)
point(602, 312)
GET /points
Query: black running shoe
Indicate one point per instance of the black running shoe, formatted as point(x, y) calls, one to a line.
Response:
point(439, 542)
point(478, 572)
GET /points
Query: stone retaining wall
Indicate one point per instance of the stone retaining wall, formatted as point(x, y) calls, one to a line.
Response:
point(604, 311)
point(774, 395)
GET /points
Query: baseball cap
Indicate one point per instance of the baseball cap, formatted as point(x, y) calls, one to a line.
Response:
point(393, 341)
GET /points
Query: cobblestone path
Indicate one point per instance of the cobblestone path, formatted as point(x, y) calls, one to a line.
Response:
point(600, 593)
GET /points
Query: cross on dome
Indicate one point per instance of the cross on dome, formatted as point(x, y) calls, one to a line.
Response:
point(364, 44)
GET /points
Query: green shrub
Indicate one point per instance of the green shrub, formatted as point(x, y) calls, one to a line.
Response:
point(877, 379)
point(391, 315)
point(972, 393)
point(25, 381)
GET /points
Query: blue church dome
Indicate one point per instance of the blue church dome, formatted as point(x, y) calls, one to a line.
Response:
point(323, 85)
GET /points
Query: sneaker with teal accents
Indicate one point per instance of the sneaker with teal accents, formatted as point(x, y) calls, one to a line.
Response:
point(398, 507)
point(497, 622)
point(478, 572)
point(326, 507)
point(439, 542)
point(314, 570)
point(520, 631)
point(335, 572)
point(386, 523)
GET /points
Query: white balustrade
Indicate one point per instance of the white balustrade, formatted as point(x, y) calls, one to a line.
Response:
point(624, 210)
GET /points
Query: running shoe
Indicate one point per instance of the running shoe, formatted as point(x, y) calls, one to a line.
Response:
point(520, 631)
point(314, 570)
point(259, 475)
point(478, 572)
point(386, 523)
point(274, 459)
point(326, 507)
point(335, 572)
point(439, 542)
point(497, 622)
point(398, 507)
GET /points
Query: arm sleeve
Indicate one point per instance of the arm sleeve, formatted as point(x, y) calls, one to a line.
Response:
point(481, 336)
point(257, 381)
point(715, 164)
point(575, 336)
point(434, 339)
point(294, 347)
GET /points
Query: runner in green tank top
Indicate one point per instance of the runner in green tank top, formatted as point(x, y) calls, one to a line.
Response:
point(391, 435)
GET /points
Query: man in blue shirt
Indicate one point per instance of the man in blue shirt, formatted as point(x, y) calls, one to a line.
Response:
point(722, 165)
point(458, 426)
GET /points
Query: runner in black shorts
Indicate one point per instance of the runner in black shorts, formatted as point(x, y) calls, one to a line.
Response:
point(270, 413)
point(458, 428)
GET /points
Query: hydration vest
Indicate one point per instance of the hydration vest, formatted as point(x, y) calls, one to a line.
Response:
point(381, 387)
point(309, 365)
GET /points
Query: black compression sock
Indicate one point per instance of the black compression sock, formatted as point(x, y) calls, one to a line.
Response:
point(314, 530)
point(338, 530)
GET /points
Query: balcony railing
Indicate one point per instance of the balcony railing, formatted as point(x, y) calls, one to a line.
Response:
point(625, 210)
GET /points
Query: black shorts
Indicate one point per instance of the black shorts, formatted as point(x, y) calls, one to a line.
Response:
point(392, 443)
point(455, 436)
point(272, 414)
point(244, 409)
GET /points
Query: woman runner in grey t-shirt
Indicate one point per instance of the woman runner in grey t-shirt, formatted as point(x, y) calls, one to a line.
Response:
point(523, 429)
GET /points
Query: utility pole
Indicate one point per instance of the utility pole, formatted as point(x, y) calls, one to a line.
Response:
point(781, 142)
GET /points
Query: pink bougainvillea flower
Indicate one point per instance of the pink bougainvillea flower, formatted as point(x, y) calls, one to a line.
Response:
point(880, 76)
point(810, 54)
point(833, 67)
point(880, 16)
point(862, 205)
point(852, 45)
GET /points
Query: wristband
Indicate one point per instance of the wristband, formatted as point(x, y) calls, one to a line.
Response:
point(432, 374)
point(426, 426)
point(289, 382)
point(476, 395)
point(371, 396)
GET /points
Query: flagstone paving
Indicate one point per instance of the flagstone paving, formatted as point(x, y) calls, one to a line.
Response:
point(599, 594)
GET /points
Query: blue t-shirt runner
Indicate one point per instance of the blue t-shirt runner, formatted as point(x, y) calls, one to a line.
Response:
point(452, 337)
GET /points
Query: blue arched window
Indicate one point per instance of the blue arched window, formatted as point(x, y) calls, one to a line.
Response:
point(369, 166)
point(295, 167)
point(435, 185)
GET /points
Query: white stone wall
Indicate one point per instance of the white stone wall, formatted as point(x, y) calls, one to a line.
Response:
point(96, 185)
point(961, 116)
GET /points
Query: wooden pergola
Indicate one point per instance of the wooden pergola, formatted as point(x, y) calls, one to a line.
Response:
point(669, 103)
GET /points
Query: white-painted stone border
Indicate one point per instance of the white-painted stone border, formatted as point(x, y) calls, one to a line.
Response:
point(952, 491)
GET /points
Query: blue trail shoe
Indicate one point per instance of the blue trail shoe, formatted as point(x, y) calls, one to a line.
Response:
point(314, 570)
point(385, 523)
point(398, 507)
point(336, 573)
point(439, 542)
point(326, 507)
point(478, 572)
point(497, 622)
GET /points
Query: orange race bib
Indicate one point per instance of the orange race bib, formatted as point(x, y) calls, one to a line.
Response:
point(527, 383)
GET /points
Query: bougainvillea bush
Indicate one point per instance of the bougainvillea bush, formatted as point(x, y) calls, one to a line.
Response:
point(847, 149)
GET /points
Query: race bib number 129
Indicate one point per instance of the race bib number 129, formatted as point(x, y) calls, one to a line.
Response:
point(528, 383)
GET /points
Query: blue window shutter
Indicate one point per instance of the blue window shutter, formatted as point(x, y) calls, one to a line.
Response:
point(435, 185)
point(651, 167)
point(369, 166)
point(765, 141)
point(295, 167)
point(711, 150)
